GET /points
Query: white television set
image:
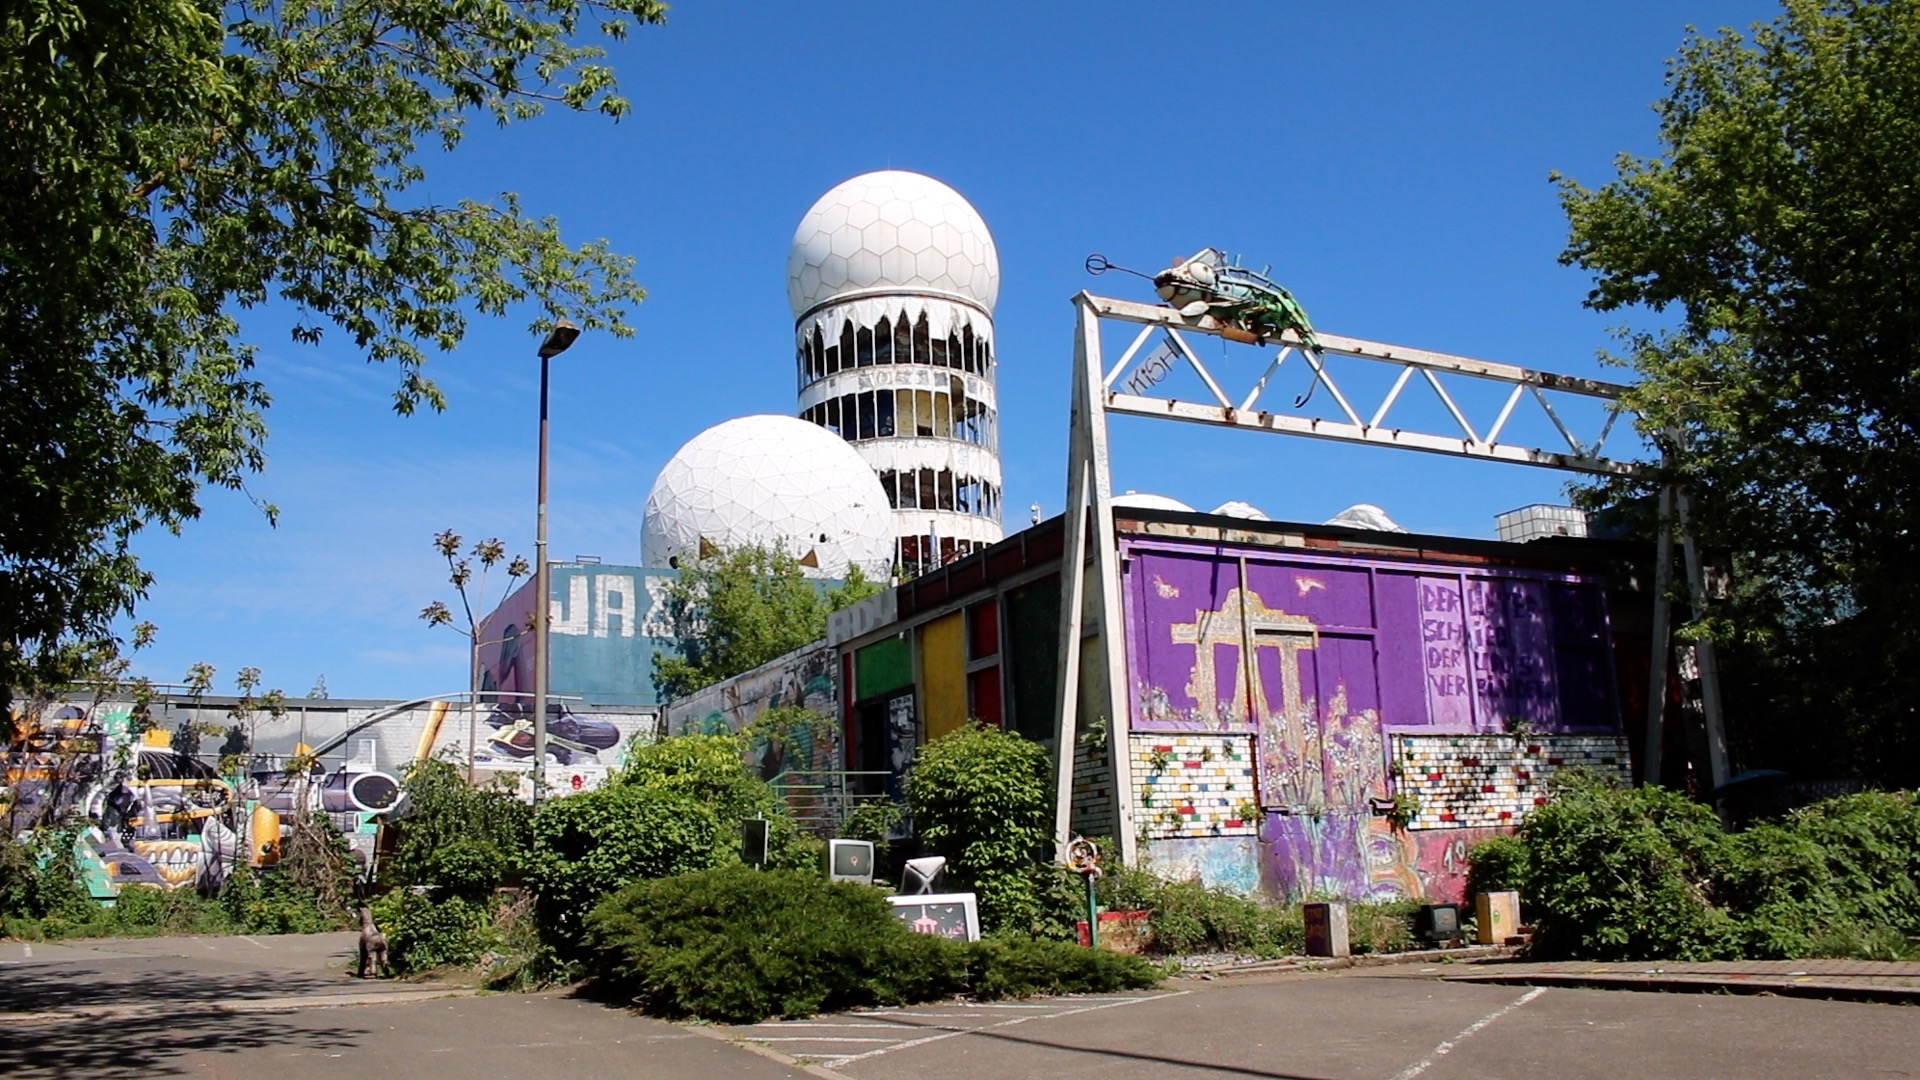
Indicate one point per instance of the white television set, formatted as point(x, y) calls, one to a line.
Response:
point(850, 860)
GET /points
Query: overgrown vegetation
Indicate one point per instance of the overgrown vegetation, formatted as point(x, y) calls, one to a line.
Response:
point(981, 797)
point(1611, 873)
point(1777, 369)
point(738, 945)
point(738, 608)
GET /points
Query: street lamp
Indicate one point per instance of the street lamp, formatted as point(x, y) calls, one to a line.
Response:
point(558, 339)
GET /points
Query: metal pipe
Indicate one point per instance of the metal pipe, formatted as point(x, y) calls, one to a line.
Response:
point(541, 591)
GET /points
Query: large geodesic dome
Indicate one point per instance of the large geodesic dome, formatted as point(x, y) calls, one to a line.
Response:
point(770, 481)
point(892, 230)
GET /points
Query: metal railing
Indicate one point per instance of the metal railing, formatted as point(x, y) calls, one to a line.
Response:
point(820, 800)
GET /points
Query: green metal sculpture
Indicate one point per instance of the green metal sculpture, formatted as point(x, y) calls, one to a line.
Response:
point(1207, 284)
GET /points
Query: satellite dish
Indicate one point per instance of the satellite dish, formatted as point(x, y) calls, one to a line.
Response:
point(923, 875)
point(1198, 307)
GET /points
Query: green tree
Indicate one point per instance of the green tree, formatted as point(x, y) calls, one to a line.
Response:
point(739, 609)
point(1775, 231)
point(166, 165)
point(981, 797)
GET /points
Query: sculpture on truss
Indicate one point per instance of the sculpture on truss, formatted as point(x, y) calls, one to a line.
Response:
point(1208, 284)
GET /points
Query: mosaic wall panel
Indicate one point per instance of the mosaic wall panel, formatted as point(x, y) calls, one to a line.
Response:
point(1193, 785)
point(1494, 780)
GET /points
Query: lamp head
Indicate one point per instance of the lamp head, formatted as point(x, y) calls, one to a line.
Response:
point(558, 339)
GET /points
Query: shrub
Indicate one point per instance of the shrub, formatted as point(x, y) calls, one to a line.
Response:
point(423, 934)
point(1380, 927)
point(737, 945)
point(1624, 873)
point(475, 838)
point(588, 845)
point(981, 797)
point(1644, 873)
point(40, 876)
point(1498, 864)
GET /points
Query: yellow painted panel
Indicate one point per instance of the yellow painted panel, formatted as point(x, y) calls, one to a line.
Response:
point(943, 673)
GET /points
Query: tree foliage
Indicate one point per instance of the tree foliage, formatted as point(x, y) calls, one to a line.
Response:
point(981, 797)
point(742, 607)
point(1777, 225)
point(166, 165)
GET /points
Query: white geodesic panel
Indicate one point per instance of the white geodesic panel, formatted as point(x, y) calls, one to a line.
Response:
point(771, 481)
point(892, 229)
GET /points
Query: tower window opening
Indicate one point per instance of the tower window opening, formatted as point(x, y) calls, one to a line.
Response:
point(883, 412)
point(969, 350)
point(863, 349)
point(832, 407)
point(902, 341)
point(909, 490)
point(923, 412)
point(883, 342)
point(903, 403)
point(866, 415)
point(887, 477)
point(945, 491)
point(922, 350)
point(846, 346)
point(849, 427)
point(939, 353)
point(927, 487)
point(833, 359)
point(942, 416)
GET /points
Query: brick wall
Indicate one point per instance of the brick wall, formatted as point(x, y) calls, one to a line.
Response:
point(1193, 784)
point(1493, 780)
point(1092, 792)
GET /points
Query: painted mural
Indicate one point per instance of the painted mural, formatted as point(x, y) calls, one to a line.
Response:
point(1323, 660)
point(154, 812)
point(606, 621)
point(803, 678)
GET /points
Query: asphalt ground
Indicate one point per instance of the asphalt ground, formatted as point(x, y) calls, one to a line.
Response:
point(287, 1009)
point(1390, 1023)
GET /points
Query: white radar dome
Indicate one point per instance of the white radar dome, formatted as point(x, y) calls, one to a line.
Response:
point(771, 481)
point(1147, 500)
point(892, 230)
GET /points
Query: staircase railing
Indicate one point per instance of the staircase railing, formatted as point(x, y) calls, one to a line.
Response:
point(820, 800)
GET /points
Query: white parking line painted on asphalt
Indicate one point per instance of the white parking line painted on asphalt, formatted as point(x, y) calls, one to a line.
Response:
point(835, 1063)
point(816, 1038)
point(1446, 1047)
point(262, 944)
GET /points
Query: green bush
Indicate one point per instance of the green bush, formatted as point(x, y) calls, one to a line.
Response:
point(464, 838)
point(738, 945)
point(1614, 873)
point(1382, 927)
point(981, 797)
point(423, 934)
point(1496, 865)
point(40, 877)
point(1184, 917)
point(588, 845)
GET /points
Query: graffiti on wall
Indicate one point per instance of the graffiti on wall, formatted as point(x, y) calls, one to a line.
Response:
point(803, 678)
point(1359, 857)
point(1319, 659)
point(607, 622)
point(150, 813)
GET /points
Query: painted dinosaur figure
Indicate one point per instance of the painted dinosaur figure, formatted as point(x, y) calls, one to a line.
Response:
point(1207, 284)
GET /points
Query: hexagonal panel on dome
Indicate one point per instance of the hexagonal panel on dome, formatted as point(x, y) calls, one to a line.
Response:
point(924, 215)
point(772, 481)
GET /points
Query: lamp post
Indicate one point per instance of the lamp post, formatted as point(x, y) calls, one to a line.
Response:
point(558, 339)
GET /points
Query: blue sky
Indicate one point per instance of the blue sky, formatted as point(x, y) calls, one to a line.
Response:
point(1389, 160)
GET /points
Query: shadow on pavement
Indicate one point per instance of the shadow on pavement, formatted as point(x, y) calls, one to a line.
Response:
point(150, 1046)
point(1211, 1069)
point(142, 983)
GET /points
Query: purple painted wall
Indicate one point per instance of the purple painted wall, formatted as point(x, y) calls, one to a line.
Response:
point(1324, 658)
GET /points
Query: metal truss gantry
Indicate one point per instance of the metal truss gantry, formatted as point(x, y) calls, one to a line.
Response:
point(1087, 613)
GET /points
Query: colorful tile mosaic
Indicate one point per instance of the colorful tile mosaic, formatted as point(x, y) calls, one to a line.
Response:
point(1193, 785)
point(1494, 780)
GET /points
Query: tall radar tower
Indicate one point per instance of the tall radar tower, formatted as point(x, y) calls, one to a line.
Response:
point(893, 278)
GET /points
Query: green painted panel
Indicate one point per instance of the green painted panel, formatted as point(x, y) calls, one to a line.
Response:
point(882, 666)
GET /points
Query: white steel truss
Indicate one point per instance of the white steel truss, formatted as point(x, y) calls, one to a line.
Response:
point(1086, 615)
